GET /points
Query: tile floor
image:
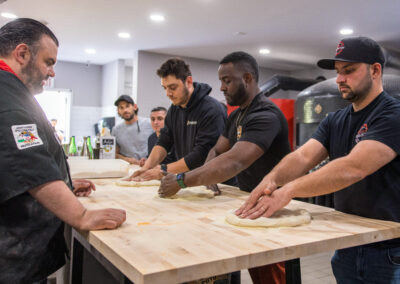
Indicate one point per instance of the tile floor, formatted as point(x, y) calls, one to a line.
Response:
point(315, 269)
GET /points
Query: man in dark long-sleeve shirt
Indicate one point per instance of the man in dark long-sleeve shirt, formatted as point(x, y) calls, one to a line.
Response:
point(192, 126)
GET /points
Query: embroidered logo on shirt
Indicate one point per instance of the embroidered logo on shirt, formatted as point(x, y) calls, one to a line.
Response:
point(26, 136)
point(189, 122)
point(361, 132)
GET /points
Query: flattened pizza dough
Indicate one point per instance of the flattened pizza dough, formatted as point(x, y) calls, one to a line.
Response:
point(132, 183)
point(281, 218)
point(192, 193)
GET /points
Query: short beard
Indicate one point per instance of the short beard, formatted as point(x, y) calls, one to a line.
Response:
point(185, 97)
point(238, 97)
point(359, 94)
point(129, 118)
point(29, 72)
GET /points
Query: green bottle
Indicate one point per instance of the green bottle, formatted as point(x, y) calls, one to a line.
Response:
point(72, 147)
point(90, 148)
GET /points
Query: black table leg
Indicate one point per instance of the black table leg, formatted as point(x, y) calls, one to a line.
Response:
point(293, 273)
point(76, 261)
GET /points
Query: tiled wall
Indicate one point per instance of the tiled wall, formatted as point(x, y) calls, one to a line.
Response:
point(83, 119)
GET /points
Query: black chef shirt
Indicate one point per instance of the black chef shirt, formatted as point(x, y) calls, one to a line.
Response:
point(32, 245)
point(377, 195)
point(263, 124)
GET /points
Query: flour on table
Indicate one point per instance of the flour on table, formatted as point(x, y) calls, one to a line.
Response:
point(281, 218)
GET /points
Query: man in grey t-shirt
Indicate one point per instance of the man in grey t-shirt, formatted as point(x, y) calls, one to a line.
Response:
point(132, 134)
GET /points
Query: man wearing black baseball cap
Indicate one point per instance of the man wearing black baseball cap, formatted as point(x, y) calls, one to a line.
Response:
point(356, 50)
point(131, 134)
point(363, 143)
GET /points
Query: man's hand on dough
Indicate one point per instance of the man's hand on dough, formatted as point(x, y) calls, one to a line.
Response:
point(146, 174)
point(82, 187)
point(151, 174)
point(214, 188)
point(265, 187)
point(268, 204)
point(168, 186)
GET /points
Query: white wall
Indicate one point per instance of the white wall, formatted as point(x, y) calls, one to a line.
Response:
point(113, 80)
point(85, 82)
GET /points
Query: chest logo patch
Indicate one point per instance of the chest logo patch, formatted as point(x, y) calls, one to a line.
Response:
point(361, 132)
point(26, 136)
point(191, 122)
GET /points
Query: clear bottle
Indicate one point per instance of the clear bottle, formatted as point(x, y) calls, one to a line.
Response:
point(90, 148)
point(72, 147)
point(84, 151)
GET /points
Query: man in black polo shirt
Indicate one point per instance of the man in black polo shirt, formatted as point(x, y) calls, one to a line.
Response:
point(192, 125)
point(35, 186)
point(363, 143)
point(254, 141)
point(157, 119)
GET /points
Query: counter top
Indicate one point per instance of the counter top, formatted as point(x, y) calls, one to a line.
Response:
point(173, 241)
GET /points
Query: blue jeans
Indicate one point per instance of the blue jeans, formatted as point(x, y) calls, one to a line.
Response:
point(367, 264)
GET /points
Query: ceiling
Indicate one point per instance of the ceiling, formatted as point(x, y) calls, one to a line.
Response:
point(297, 33)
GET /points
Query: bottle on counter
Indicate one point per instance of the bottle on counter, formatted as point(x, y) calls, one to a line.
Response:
point(84, 151)
point(72, 147)
point(96, 150)
point(90, 148)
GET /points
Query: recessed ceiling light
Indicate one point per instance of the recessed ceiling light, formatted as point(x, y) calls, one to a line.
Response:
point(346, 31)
point(9, 15)
point(90, 51)
point(264, 51)
point(124, 35)
point(157, 17)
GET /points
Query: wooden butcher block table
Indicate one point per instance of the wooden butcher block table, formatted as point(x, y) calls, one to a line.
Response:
point(174, 241)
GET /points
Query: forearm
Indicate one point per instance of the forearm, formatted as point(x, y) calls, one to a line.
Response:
point(157, 155)
point(60, 200)
point(291, 167)
point(220, 169)
point(212, 154)
point(177, 167)
point(332, 177)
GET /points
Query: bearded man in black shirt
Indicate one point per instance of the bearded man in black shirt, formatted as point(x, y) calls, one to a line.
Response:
point(36, 190)
point(363, 144)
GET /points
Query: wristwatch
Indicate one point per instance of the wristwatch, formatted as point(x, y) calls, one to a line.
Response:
point(179, 179)
point(164, 167)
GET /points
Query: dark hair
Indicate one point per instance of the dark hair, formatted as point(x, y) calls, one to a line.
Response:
point(23, 30)
point(174, 66)
point(159, 109)
point(244, 61)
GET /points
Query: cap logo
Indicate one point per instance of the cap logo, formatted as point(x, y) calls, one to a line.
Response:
point(339, 48)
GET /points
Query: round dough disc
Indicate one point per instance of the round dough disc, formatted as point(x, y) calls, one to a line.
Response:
point(281, 218)
point(192, 193)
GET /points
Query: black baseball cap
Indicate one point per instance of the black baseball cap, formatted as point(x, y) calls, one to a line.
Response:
point(124, 98)
point(355, 49)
